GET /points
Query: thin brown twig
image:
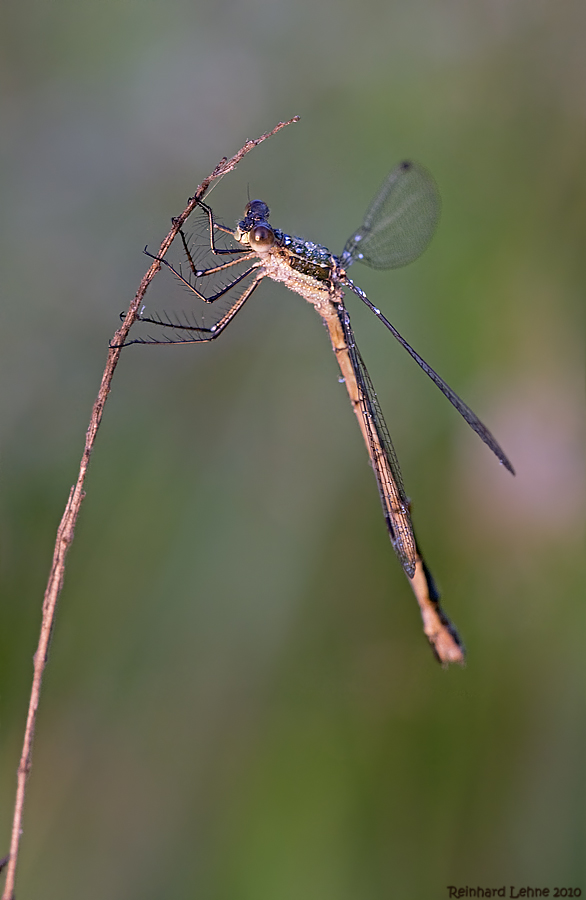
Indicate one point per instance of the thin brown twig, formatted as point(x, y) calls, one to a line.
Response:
point(66, 529)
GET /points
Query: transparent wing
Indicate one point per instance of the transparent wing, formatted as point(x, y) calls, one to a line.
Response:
point(383, 458)
point(400, 221)
point(464, 410)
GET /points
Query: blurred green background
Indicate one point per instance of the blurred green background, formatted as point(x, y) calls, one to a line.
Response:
point(240, 702)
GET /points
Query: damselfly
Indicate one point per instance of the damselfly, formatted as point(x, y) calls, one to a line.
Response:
point(396, 228)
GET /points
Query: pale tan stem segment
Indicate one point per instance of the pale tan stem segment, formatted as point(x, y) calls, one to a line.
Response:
point(66, 528)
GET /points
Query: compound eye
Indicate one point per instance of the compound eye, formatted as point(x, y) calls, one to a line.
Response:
point(261, 237)
point(257, 208)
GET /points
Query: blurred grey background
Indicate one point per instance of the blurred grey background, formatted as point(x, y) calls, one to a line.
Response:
point(240, 702)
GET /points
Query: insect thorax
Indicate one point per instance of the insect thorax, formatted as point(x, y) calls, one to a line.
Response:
point(308, 269)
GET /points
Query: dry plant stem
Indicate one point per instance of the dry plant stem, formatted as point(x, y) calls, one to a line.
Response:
point(66, 528)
